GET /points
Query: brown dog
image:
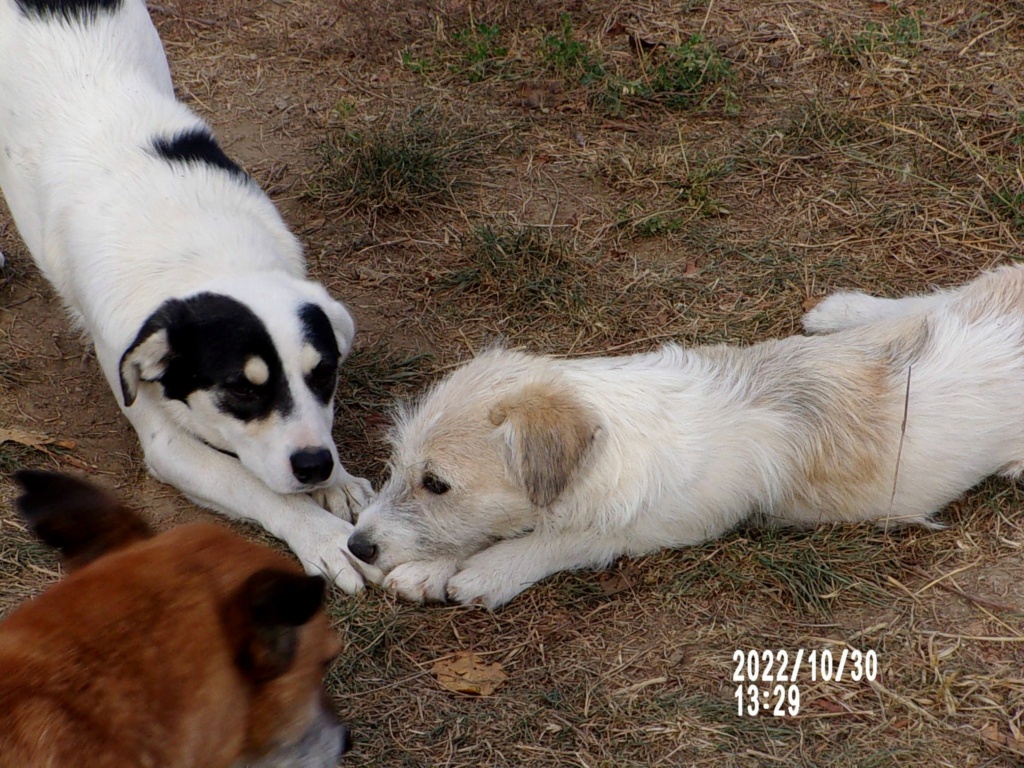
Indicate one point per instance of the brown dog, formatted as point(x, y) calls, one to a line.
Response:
point(190, 648)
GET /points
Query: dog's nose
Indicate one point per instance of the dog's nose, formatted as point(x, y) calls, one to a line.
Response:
point(360, 545)
point(312, 465)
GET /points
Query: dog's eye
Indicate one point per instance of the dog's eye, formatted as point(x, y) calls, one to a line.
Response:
point(323, 375)
point(434, 484)
point(243, 389)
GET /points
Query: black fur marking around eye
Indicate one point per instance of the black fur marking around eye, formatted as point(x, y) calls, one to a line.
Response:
point(211, 336)
point(318, 333)
point(198, 147)
point(69, 10)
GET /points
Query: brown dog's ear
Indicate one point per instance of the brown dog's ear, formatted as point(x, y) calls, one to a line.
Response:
point(265, 615)
point(547, 435)
point(81, 520)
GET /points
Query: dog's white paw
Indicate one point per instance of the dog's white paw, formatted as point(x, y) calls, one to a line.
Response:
point(346, 498)
point(481, 586)
point(846, 309)
point(322, 549)
point(421, 581)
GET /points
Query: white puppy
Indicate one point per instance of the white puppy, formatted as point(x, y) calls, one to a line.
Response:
point(517, 466)
point(223, 355)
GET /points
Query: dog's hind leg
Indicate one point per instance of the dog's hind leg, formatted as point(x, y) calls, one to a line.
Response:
point(849, 309)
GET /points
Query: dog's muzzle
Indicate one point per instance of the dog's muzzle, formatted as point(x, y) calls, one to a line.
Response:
point(320, 747)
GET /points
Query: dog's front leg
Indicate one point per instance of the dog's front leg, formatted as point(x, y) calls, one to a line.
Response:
point(493, 577)
point(219, 482)
point(346, 497)
point(421, 581)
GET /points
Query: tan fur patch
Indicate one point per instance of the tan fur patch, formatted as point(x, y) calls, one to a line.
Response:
point(308, 358)
point(256, 370)
point(852, 437)
point(549, 434)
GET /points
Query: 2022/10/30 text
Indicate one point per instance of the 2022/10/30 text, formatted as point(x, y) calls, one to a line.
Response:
point(768, 680)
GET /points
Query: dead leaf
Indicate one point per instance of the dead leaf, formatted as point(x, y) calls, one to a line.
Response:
point(539, 95)
point(991, 732)
point(810, 303)
point(619, 581)
point(468, 673)
point(32, 439)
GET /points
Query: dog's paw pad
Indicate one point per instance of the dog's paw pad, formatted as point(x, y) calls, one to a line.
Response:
point(471, 588)
point(420, 582)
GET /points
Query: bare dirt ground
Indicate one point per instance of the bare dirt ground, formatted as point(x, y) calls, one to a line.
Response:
point(599, 181)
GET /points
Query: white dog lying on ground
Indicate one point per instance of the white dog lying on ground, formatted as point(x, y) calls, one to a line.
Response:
point(517, 466)
point(223, 355)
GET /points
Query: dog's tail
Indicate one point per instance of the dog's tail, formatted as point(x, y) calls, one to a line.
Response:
point(81, 520)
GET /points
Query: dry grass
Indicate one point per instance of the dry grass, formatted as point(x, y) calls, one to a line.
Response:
point(602, 182)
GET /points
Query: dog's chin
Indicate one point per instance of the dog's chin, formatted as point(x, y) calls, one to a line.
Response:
point(320, 747)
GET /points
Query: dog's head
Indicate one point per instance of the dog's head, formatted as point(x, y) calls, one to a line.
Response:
point(250, 366)
point(236, 628)
point(479, 459)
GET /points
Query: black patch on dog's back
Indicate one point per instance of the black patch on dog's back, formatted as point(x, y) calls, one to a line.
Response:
point(210, 337)
point(71, 10)
point(196, 146)
point(318, 333)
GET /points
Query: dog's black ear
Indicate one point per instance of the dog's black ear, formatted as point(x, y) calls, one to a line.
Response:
point(547, 433)
point(264, 617)
point(342, 324)
point(146, 358)
point(81, 520)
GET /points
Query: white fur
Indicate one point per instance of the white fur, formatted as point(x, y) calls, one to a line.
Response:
point(681, 445)
point(118, 233)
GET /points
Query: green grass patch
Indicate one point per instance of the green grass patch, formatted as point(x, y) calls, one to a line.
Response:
point(482, 54)
point(404, 166)
point(809, 570)
point(574, 59)
point(898, 38)
point(531, 281)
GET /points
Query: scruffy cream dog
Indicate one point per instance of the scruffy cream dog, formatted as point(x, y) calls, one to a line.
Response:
point(517, 466)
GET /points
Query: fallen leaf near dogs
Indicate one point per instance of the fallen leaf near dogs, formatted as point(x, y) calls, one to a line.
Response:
point(991, 733)
point(810, 303)
point(466, 672)
point(539, 95)
point(613, 583)
point(32, 439)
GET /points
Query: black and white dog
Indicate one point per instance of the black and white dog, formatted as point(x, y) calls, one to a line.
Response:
point(181, 270)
